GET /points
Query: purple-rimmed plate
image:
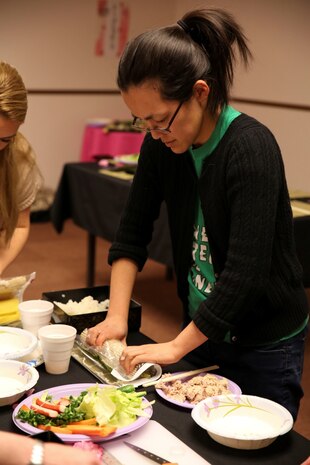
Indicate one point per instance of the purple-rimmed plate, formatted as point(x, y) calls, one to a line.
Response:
point(233, 387)
point(75, 390)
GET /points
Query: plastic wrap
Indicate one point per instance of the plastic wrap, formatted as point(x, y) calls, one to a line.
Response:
point(107, 356)
point(11, 293)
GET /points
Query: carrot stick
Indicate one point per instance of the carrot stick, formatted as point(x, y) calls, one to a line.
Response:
point(89, 421)
point(60, 429)
point(44, 427)
point(107, 429)
point(55, 429)
point(91, 430)
point(85, 429)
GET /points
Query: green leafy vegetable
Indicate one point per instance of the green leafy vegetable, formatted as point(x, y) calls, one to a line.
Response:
point(70, 414)
point(113, 406)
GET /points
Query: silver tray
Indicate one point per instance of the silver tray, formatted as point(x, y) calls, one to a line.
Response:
point(102, 373)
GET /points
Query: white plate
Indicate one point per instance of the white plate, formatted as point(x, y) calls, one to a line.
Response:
point(75, 390)
point(233, 387)
point(34, 359)
point(16, 378)
point(16, 343)
point(242, 421)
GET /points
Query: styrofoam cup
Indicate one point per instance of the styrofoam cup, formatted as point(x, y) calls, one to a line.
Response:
point(57, 342)
point(35, 313)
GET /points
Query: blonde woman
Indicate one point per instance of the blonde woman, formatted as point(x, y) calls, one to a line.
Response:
point(20, 178)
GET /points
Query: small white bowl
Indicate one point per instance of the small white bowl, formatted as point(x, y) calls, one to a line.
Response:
point(242, 421)
point(15, 343)
point(16, 378)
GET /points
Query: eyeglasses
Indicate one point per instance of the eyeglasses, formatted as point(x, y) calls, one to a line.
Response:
point(142, 123)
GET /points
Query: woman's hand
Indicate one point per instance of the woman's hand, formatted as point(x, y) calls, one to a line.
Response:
point(113, 327)
point(55, 454)
point(163, 354)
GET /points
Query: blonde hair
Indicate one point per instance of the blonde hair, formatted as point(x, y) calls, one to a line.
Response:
point(13, 106)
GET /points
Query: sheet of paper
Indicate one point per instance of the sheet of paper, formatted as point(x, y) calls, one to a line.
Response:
point(157, 439)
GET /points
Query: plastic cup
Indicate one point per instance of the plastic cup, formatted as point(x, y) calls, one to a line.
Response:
point(35, 313)
point(57, 342)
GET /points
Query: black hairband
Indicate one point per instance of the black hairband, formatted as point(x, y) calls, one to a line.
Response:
point(194, 32)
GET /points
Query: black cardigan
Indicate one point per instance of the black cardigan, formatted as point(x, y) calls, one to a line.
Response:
point(259, 296)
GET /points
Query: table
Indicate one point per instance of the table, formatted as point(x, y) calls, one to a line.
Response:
point(300, 202)
point(290, 449)
point(95, 202)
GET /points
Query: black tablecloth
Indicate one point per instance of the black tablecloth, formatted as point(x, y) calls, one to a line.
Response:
point(302, 239)
point(95, 201)
point(290, 449)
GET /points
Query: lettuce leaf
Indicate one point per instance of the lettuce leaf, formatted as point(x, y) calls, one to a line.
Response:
point(113, 406)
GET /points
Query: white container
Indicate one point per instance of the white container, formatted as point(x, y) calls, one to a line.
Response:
point(15, 379)
point(242, 421)
point(57, 342)
point(35, 314)
point(16, 343)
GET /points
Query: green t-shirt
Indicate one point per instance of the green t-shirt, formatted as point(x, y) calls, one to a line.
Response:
point(201, 276)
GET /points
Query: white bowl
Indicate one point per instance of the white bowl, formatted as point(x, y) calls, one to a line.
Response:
point(242, 421)
point(15, 343)
point(16, 378)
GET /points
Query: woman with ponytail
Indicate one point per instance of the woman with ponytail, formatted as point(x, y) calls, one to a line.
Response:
point(20, 178)
point(221, 175)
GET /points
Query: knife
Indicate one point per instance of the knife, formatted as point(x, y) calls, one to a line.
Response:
point(149, 454)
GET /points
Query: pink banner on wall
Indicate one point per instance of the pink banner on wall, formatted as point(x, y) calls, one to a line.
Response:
point(113, 29)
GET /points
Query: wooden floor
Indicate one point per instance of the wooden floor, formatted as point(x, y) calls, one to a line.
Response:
point(59, 261)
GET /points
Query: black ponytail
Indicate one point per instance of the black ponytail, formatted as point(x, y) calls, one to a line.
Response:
point(200, 46)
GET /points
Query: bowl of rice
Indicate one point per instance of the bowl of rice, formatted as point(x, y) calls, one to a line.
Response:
point(242, 421)
point(86, 307)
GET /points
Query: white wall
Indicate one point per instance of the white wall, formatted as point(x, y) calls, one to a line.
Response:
point(52, 42)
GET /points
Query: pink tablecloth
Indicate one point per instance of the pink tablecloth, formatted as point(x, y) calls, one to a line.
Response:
point(96, 142)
